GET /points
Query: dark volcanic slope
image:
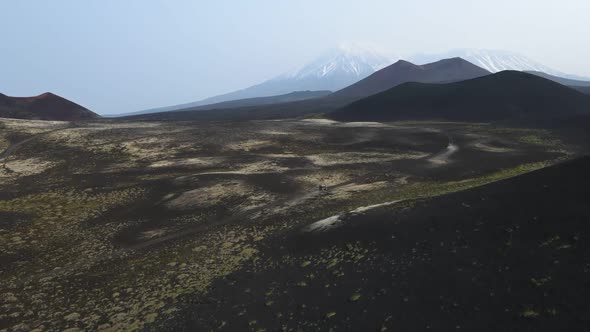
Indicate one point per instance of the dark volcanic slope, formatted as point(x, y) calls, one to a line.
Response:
point(560, 80)
point(249, 102)
point(508, 95)
point(509, 256)
point(443, 71)
point(583, 89)
point(259, 112)
point(46, 106)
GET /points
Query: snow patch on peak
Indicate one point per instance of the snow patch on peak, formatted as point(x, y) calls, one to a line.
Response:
point(491, 60)
point(346, 60)
point(496, 61)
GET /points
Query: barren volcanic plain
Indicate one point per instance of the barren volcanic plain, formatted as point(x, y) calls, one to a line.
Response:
point(121, 225)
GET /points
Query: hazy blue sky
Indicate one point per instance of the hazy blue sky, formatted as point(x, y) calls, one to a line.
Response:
point(126, 55)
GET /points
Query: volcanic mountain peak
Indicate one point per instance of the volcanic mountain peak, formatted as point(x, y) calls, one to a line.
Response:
point(346, 59)
point(403, 63)
point(454, 61)
point(442, 71)
point(46, 106)
point(45, 95)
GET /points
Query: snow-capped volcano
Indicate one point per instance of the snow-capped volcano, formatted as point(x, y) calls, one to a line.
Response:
point(334, 70)
point(493, 61)
point(347, 60)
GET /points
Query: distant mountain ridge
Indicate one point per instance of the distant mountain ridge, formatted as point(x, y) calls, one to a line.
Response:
point(504, 96)
point(46, 106)
point(347, 59)
point(333, 70)
point(249, 102)
point(353, 72)
point(442, 71)
point(494, 61)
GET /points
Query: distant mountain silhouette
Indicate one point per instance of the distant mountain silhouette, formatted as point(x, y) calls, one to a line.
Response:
point(249, 102)
point(443, 71)
point(335, 69)
point(46, 106)
point(508, 95)
point(561, 80)
point(448, 70)
point(493, 61)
